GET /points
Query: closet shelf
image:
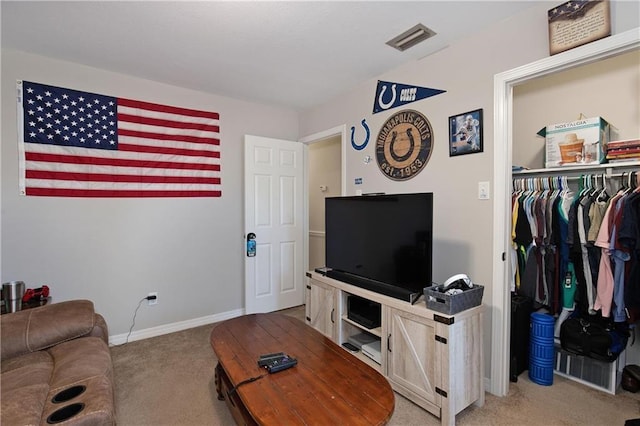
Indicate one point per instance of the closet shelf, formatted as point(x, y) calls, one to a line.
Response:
point(607, 167)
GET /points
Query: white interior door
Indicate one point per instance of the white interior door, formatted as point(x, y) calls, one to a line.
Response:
point(274, 207)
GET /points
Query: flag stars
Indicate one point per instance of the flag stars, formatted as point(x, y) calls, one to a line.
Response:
point(68, 119)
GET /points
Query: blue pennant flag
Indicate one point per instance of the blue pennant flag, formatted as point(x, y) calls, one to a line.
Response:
point(391, 95)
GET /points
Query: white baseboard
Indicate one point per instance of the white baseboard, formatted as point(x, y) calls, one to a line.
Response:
point(119, 339)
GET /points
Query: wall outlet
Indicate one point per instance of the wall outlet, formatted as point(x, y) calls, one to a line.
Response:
point(151, 302)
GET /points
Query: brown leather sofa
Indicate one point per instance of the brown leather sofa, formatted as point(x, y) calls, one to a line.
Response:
point(56, 366)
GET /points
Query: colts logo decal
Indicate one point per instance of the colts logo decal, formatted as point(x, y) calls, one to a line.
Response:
point(404, 144)
point(360, 147)
point(390, 95)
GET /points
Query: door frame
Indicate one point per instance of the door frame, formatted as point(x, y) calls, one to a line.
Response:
point(340, 131)
point(502, 161)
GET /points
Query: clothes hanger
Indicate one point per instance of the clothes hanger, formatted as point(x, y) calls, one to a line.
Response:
point(603, 195)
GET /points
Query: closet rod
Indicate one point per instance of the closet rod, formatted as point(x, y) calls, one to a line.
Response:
point(613, 175)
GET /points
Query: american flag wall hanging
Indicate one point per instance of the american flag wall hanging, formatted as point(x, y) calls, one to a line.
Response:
point(80, 144)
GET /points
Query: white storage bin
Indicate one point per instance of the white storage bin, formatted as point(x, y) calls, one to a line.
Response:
point(604, 376)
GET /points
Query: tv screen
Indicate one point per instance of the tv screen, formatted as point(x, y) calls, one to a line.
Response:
point(381, 242)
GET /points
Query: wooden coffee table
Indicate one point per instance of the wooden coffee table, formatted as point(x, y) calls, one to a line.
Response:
point(328, 386)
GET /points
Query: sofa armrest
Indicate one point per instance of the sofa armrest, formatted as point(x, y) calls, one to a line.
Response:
point(39, 328)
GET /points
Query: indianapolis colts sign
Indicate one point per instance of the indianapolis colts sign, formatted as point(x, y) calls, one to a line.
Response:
point(391, 95)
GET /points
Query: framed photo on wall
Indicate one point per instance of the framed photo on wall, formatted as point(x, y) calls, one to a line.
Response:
point(465, 133)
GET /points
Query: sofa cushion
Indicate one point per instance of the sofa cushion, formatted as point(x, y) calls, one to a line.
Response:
point(83, 362)
point(24, 388)
point(31, 382)
point(39, 328)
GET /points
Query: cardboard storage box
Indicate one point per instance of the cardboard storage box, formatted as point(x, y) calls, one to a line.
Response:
point(576, 143)
point(452, 304)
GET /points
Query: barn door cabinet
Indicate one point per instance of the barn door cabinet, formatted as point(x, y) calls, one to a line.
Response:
point(320, 308)
point(432, 359)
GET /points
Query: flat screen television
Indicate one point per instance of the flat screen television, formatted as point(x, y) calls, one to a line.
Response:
point(381, 242)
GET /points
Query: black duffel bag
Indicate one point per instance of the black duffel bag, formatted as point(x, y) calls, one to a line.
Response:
point(594, 337)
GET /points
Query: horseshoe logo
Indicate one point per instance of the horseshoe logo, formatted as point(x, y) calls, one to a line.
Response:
point(412, 145)
point(393, 98)
point(366, 139)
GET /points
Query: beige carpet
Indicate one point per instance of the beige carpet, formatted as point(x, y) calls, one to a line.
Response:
point(168, 380)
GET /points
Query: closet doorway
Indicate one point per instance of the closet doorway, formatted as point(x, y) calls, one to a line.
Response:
point(504, 118)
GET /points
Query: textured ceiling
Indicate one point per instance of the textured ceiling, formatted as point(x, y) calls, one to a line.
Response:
point(291, 54)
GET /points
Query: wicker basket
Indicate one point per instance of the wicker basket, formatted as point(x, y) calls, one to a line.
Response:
point(450, 305)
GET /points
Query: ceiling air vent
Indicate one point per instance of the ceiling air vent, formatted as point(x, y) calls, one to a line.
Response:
point(411, 37)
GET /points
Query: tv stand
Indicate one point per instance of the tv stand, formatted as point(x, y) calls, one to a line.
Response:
point(433, 359)
point(377, 286)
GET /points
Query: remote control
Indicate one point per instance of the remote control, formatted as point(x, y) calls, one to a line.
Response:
point(350, 347)
point(274, 355)
point(270, 359)
point(281, 365)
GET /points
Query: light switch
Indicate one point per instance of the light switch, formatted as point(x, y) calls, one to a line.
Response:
point(483, 191)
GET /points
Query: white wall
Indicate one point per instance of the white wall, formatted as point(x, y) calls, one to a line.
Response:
point(563, 96)
point(463, 228)
point(115, 251)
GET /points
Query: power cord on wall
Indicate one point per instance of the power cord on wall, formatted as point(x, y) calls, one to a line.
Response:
point(133, 323)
